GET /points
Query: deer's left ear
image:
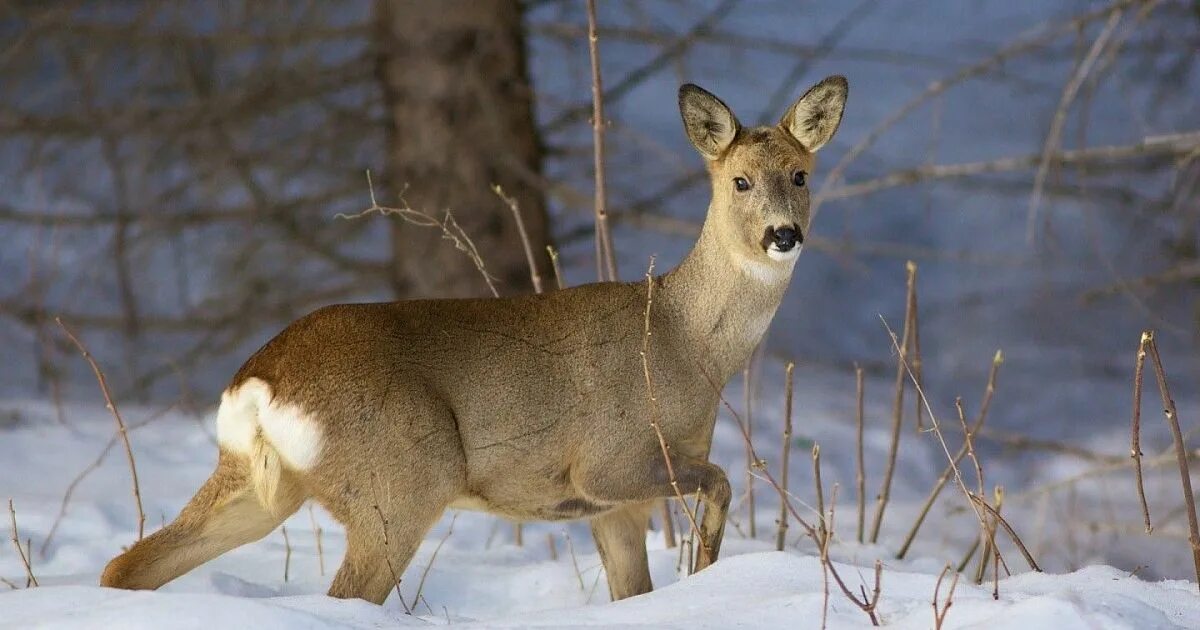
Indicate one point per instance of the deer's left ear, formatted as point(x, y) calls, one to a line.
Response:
point(815, 117)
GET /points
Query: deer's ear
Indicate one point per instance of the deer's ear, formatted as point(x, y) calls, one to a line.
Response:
point(815, 117)
point(709, 123)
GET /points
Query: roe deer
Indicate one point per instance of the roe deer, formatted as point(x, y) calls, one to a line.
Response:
point(533, 407)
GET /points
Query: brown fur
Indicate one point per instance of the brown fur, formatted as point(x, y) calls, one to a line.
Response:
point(532, 407)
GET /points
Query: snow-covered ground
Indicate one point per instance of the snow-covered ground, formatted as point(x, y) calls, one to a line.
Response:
point(1067, 376)
point(481, 578)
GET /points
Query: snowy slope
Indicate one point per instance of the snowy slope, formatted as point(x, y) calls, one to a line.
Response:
point(481, 579)
point(765, 589)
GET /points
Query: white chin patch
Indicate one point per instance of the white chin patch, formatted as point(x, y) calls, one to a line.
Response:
point(775, 254)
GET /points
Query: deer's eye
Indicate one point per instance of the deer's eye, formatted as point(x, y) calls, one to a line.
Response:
point(798, 178)
point(741, 184)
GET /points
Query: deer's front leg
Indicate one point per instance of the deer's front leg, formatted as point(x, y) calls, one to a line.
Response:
point(621, 477)
point(715, 494)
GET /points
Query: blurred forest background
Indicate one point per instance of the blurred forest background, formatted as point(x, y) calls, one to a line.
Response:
point(173, 171)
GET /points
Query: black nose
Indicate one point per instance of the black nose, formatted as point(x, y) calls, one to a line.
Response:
point(785, 238)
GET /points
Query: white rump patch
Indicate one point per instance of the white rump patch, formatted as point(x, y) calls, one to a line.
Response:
point(248, 410)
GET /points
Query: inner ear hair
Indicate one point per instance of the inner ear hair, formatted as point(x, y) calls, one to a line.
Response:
point(708, 122)
point(815, 117)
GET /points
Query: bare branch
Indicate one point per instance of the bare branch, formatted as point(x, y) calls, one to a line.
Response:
point(781, 534)
point(534, 277)
point(1054, 136)
point(898, 407)
point(1168, 146)
point(606, 266)
point(112, 408)
point(977, 426)
point(861, 477)
point(16, 539)
point(1185, 477)
point(451, 231)
point(433, 556)
point(654, 411)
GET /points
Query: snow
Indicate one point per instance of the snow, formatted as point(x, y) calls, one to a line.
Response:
point(1067, 375)
point(479, 578)
point(752, 589)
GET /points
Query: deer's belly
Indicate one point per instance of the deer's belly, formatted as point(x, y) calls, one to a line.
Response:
point(553, 508)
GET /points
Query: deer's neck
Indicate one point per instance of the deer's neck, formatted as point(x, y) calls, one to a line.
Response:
point(722, 300)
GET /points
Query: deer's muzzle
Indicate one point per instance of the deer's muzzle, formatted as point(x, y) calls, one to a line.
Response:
point(783, 239)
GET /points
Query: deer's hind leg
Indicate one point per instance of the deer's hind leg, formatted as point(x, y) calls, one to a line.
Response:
point(227, 512)
point(388, 487)
point(384, 528)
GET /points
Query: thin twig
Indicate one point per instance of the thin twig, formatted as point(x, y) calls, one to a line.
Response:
point(70, 491)
point(1166, 146)
point(939, 614)
point(574, 561)
point(679, 556)
point(1012, 534)
point(535, 277)
point(112, 408)
point(885, 491)
point(988, 538)
point(990, 390)
point(867, 605)
point(1018, 441)
point(606, 267)
point(29, 557)
point(781, 534)
point(433, 556)
point(287, 551)
point(1185, 477)
point(962, 565)
point(654, 411)
point(450, 228)
point(915, 348)
point(825, 566)
point(1054, 136)
point(937, 429)
point(679, 44)
point(1153, 461)
point(317, 532)
point(558, 276)
point(550, 545)
point(822, 528)
point(668, 524)
point(861, 476)
point(16, 539)
point(691, 548)
point(1041, 36)
point(748, 405)
point(387, 555)
point(969, 443)
point(759, 463)
point(998, 560)
point(1135, 438)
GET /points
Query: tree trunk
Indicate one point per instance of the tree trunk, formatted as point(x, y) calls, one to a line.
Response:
point(460, 108)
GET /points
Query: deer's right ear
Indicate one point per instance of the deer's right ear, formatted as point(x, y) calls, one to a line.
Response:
point(709, 123)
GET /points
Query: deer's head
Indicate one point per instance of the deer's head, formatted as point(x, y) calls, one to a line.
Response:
point(760, 208)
